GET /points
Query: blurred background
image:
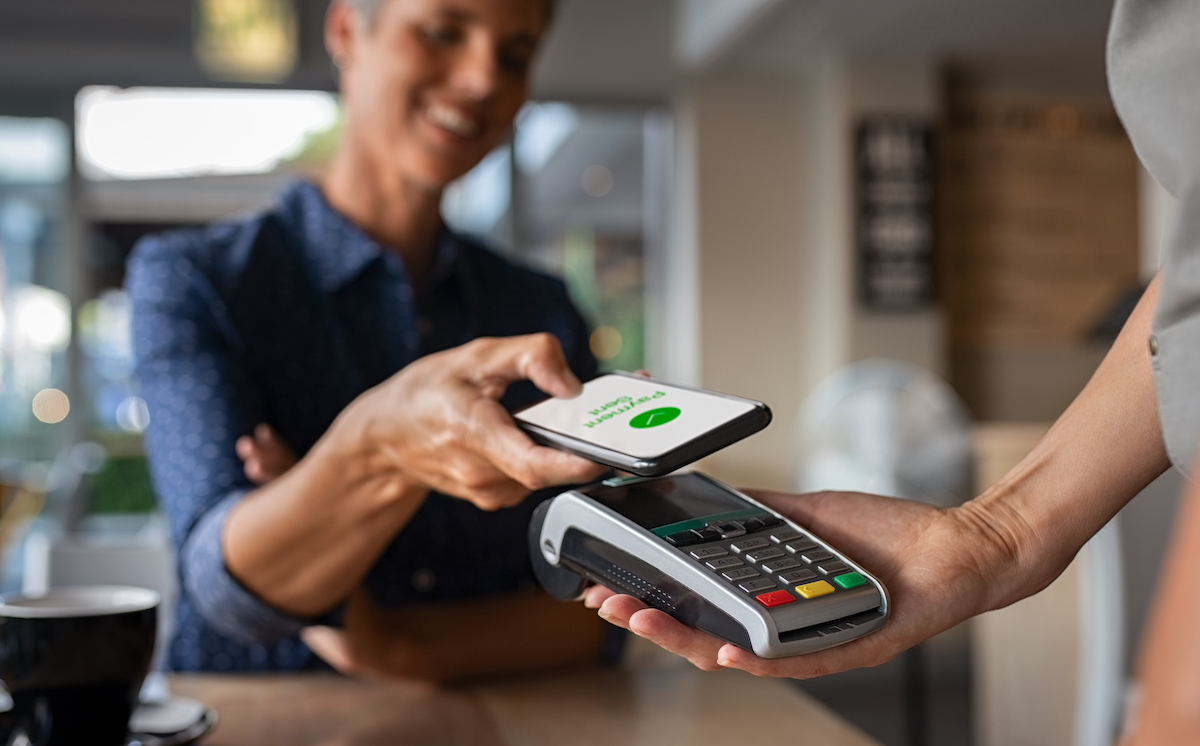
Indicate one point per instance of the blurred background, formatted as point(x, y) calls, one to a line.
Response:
point(747, 195)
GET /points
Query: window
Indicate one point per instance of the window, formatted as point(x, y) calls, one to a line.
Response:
point(35, 315)
point(575, 193)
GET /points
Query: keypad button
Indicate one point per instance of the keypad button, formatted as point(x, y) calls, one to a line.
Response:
point(684, 538)
point(797, 576)
point(728, 529)
point(746, 545)
point(753, 524)
point(786, 535)
point(770, 520)
point(801, 546)
point(816, 555)
point(741, 573)
point(780, 565)
point(708, 552)
point(776, 598)
point(832, 568)
point(723, 562)
point(754, 586)
point(708, 533)
point(759, 555)
point(814, 590)
point(850, 580)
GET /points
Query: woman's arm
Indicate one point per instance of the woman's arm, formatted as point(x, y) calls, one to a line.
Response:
point(457, 641)
point(1167, 710)
point(444, 642)
point(304, 541)
point(944, 566)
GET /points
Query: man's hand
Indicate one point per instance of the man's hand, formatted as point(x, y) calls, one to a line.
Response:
point(439, 422)
point(936, 564)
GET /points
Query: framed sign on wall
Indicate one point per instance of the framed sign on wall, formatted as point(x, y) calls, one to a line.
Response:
point(895, 218)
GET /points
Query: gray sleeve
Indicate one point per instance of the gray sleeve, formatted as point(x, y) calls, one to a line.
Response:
point(1176, 341)
point(223, 602)
point(1154, 73)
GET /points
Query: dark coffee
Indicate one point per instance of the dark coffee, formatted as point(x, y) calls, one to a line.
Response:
point(73, 660)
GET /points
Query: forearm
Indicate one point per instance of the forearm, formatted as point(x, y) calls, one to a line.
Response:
point(1168, 669)
point(472, 639)
point(1100, 453)
point(305, 541)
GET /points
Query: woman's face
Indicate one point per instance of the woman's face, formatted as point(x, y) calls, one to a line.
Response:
point(431, 86)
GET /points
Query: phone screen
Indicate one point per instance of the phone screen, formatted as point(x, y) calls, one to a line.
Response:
point(636, 416)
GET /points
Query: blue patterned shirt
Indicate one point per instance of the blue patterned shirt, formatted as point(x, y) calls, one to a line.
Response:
point(284, 318)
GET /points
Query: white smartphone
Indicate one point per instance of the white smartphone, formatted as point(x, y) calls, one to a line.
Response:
point(641, 425)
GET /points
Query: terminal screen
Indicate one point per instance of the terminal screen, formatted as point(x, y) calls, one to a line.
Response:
point(661, 502)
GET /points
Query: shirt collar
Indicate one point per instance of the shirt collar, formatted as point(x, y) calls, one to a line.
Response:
point(338, 250)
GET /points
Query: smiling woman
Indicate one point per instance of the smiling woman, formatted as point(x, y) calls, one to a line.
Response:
point(429, 88)
point(327, 422)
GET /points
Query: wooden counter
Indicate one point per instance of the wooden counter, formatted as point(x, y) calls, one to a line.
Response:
point(659, 704)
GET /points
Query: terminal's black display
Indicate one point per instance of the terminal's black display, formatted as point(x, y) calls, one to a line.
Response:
point(654, 503)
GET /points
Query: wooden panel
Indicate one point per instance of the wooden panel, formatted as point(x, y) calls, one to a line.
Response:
point(1038, 219)
point(1038, 226)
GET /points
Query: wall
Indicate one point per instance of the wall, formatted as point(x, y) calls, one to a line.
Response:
point(759, 275)
point(741, 224)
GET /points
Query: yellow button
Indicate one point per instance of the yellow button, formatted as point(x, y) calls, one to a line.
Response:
point(812, 590)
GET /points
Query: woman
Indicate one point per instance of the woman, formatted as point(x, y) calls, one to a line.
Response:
point(338, 326)
point(1139, 413)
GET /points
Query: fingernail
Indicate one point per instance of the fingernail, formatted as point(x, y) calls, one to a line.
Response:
point(722, 661)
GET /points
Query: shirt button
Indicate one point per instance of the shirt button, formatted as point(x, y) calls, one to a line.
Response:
point(424, 580)
point(1153, 345)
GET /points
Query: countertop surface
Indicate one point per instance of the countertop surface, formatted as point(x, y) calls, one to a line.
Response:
point(652, 701)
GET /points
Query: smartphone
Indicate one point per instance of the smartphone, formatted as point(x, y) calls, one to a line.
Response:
point(640, 425)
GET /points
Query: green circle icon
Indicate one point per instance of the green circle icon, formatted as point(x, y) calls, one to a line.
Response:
point(654, 417)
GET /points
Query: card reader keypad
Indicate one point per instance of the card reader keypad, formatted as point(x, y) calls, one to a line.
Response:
point(745, 545)
point(741, 573)
point(762, 555)
point(779, 565)
point(722, 563)
point(767, 560)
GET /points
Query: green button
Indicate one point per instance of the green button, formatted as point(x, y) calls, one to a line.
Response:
point(850, 580)
point(654, 417)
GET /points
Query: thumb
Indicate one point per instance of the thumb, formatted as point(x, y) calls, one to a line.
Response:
point(537, 358)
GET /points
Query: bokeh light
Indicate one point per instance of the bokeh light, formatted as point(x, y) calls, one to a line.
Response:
point(606, 342)
point(596, 181)
point(51, 406)
point(42, 317)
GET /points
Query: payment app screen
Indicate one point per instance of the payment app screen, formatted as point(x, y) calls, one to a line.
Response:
point(645, 419)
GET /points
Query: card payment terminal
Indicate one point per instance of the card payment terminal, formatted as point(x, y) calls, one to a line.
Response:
point(709, 556)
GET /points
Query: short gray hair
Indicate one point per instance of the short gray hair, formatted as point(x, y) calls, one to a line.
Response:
point(369, 9)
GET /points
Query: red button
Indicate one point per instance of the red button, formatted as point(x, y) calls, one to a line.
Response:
point(775, 598)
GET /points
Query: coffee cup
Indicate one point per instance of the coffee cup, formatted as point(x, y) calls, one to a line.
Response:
point(73, 660)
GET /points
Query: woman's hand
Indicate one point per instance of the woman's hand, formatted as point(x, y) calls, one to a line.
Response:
point(439, 422)
point(265, 456)
point(441, 642)
point(305, 539)
point(939, 566)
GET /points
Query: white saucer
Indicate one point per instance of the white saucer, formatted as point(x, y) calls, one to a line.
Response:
point(174, 721)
